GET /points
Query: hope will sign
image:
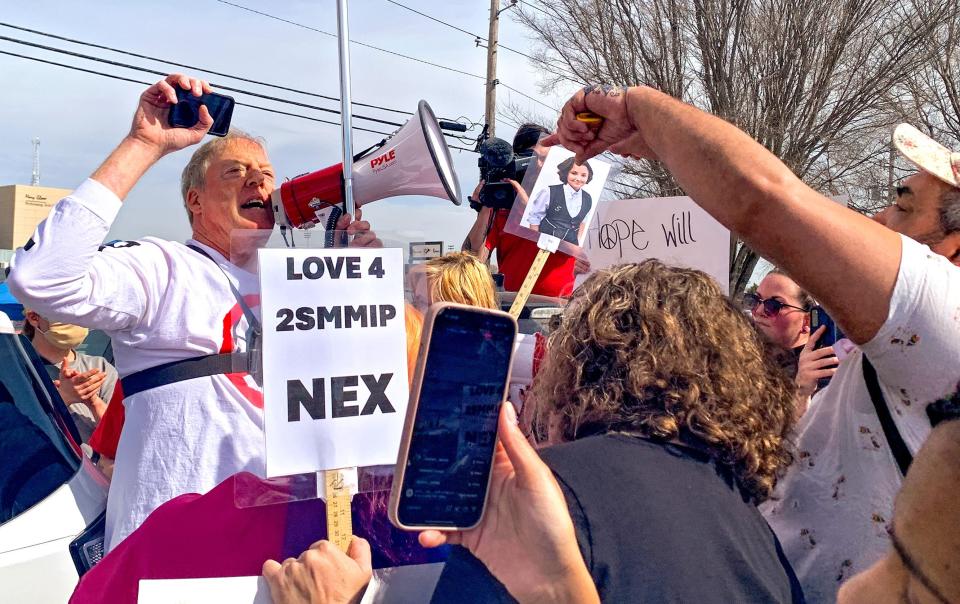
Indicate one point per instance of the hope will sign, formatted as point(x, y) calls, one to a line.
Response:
point(334, 358)
point(674, 230)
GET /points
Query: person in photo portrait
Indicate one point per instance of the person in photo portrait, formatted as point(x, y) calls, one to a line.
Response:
point(560, 210)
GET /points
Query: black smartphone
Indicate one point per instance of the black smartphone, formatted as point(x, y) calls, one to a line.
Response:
point(818, 317)
point(186, 113)
point(450, 432)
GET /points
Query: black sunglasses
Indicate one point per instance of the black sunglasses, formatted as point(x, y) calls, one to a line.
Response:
point(771, 306)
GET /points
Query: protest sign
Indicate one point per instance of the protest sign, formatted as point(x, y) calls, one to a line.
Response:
point(421, 251)
point(334, 357)
point(220, 590)
point(562, 200)
point(674, 230)
point(414, 583)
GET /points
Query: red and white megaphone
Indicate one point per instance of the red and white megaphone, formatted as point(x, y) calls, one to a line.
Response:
point(414, 161)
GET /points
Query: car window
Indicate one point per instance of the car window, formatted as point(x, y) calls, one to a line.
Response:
point(97, 344)
point(35, 456)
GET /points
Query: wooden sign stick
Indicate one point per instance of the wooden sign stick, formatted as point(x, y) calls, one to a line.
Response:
point(528, 282)
point(339, 516)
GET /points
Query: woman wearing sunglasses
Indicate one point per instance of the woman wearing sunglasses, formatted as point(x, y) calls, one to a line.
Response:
point(781, 311)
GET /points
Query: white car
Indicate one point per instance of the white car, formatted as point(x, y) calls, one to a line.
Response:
point(52, 497)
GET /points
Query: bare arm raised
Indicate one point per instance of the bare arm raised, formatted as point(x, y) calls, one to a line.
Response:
point(59, 270)
point(150, 136)
point(847, 261)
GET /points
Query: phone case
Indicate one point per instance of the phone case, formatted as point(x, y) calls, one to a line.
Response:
point(409, 420)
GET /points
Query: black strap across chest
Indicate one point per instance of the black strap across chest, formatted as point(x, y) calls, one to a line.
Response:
point(195, 367)
point(899, 448)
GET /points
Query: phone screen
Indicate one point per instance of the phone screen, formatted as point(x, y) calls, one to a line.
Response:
point(186, 113)
point(455, 429)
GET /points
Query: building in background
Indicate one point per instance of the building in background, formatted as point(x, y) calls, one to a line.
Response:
point(22, 207)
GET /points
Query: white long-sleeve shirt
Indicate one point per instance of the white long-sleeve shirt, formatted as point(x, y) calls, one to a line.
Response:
point(159, 301)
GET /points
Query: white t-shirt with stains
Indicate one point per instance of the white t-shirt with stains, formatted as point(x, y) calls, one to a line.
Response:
point(832, 509)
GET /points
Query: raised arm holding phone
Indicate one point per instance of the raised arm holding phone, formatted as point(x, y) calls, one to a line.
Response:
point(165, 304)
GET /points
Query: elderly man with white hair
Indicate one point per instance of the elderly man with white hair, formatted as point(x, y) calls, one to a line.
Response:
point(178, 314)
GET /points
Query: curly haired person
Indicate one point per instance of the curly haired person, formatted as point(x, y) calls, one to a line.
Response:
point(665, 427)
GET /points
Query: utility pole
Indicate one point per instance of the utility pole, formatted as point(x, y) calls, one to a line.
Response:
point(490, 116)
point(35, 178)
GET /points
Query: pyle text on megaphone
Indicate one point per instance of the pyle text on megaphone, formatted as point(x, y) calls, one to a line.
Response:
point(414, 161)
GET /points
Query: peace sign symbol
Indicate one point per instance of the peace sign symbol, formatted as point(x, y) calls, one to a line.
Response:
point(608, 236)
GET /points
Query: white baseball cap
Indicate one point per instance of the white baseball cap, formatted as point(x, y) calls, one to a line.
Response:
point(927, 154)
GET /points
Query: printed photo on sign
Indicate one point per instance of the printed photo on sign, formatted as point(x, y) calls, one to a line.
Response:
point(564, 197)
point(562, 201)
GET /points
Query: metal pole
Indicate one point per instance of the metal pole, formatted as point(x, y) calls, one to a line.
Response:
point(491, 105)
point(343, 37)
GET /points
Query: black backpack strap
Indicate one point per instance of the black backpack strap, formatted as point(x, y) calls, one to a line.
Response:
point(899, 448)
point(178, 371)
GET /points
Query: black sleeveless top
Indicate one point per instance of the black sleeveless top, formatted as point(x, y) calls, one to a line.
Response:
point(558, 221)
point(656, 522)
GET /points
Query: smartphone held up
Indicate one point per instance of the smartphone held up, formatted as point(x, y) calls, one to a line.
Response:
point(186, 113)
point(820, 318)
point(450, 431)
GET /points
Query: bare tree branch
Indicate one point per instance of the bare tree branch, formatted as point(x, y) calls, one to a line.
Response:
point(820, 83)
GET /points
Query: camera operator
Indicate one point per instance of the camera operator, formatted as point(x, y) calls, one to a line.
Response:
point(515, 254)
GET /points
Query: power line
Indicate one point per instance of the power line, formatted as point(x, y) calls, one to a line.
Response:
point(215, 85)
point(451, 26)
point(326, 33)
point(476, 37)
point(441, 22)
point(536, 8)
point(194, 68)
point(124, 79)
point(529, 97)
point(241, 104)
point(507, 120)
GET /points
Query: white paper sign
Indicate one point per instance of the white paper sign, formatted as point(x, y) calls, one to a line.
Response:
point(221, 590)
point(334, 357)
point(674, 230)
point(397, 584)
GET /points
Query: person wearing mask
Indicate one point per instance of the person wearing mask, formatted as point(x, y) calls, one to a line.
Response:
point(665, 426)
point(85, 382)
point(176, 313)
point(891, 284)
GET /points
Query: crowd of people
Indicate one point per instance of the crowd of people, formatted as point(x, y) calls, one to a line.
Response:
point(673, 447)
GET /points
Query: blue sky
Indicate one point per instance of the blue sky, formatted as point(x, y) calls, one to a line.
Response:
point(80, 117)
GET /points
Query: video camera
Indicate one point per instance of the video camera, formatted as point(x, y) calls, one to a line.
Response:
point(498, 162)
